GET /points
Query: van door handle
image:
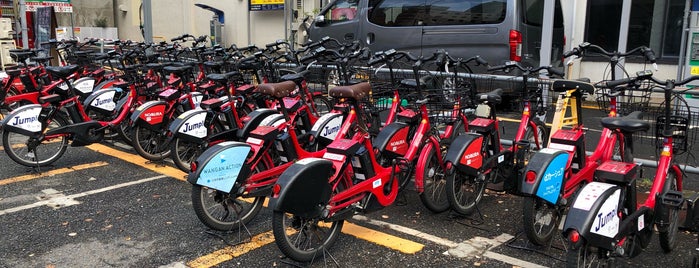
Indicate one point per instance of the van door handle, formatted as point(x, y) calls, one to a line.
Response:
point(349, 36)
point(370, 38)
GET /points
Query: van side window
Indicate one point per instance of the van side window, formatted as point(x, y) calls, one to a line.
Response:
point(460, 12)
point(343, 10)
point(534, 13)
point(397, 13)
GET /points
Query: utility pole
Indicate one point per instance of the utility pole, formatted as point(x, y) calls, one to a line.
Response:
point(147, 21)
point(23, 23)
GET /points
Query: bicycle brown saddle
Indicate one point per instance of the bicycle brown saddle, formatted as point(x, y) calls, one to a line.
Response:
point(277, 90)
point(356, 91)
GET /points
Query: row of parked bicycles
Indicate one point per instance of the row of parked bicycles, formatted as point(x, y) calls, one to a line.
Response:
point(249, 124)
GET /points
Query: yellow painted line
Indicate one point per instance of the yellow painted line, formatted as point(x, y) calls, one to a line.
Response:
point(228, 253)
point(52, 172)
point(383, 239)
point(138, 160)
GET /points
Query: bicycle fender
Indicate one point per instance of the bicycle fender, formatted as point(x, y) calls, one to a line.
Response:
point(190, 124)
point(595, 214)
point(84, 85)
point(24, 120)
point(253, 120)
point(221, 167)
point(422, 162)
point(393, 139)
point(304, 188)
point(102, 101)
point(326, 128)
point(465, 153)
point(549, 165)
point(151, 113)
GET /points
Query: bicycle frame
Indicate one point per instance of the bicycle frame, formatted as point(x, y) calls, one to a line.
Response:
point(635, 219)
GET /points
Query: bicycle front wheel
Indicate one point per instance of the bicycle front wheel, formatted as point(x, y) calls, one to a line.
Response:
point(540, 220)
point(31, 152)
point(668, 233)
point(434, 195)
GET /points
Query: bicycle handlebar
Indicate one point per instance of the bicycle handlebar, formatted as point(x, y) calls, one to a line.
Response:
point(527, 70)
point(582, 48)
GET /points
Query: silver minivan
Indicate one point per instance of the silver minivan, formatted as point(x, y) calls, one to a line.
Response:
point(496, 30)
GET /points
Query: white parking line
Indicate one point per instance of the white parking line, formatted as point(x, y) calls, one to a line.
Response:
point(61, 199)
point(471, 248)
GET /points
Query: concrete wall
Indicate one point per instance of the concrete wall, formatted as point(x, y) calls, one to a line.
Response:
point(172, 18)
point(87, 13)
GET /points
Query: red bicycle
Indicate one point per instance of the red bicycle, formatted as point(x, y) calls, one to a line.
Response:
point(478, 158)
point(606, 221)
point(314, 196)
point(38, 134)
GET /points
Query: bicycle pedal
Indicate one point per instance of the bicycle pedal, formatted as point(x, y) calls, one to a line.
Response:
point(672, 198)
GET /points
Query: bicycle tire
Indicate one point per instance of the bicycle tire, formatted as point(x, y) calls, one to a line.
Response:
point(292, 234)
point(434, 195)
point(668, 236)
point(150, 144)
point(207, 211)
point(458, 186)
point(124, 132)
point(585, 256)
point(540, 220)
point(184, 152)
point(322, 104)
point(15, 146)
point(543, 136)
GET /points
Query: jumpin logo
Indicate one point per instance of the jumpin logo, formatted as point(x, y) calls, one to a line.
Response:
point(194, 126)
point(27, 118)
point(606, 221)
point(105, 101)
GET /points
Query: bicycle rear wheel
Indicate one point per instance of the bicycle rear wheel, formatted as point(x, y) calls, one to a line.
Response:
point(150, 144)
point(184, 152)
point(464, 192)
point(540, 220)
point(224, 211)
point(46, 151)
point(303, 239)
point(586, 256)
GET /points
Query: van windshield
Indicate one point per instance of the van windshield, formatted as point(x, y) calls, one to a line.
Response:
point(397, 13)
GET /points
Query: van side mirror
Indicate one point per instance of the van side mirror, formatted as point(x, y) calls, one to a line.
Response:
point(320, 20)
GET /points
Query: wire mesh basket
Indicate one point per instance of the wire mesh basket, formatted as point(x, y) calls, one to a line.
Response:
point(631, 99)
point(682, 122)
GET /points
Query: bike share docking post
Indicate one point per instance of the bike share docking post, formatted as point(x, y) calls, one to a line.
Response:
point(215, 24)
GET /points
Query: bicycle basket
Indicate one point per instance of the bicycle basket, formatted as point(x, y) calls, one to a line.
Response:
point(680, 122)
point(632, 99)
